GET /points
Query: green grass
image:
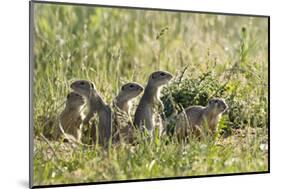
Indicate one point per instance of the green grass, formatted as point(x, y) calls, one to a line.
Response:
point(210, 55)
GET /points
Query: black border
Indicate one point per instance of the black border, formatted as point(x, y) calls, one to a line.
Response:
point(135, 8)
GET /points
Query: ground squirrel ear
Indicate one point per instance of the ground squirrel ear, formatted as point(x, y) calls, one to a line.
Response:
point(92, 85)
point(67, 97)
point(122, 88)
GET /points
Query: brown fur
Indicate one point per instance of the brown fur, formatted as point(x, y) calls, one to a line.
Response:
point(197, 117)
point(96, 105)
point(146, 115)
point(71, 117)
point(123, 127)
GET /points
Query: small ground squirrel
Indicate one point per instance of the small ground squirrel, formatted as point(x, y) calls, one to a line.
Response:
point(145, 113)
point(96, 105)
point(122, 127)
point(127, 93)
point(199, 116)
point(71, 117)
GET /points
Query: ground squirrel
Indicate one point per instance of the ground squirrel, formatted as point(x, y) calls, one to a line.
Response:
point(199, 116)
point(145, 113)
point(127, 93)
point(71, 117)
point(122, 107)
point(96, 105)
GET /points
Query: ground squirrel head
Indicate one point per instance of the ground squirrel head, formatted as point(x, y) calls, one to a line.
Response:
point(74, 100)
point(217, 105)
point(159, 78)
point(130, 90)
point(83, 87)
point(127, 93)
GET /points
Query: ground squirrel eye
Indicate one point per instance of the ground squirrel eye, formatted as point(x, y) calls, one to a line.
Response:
point(162, 74)
point(82, 83)
point(132, 86)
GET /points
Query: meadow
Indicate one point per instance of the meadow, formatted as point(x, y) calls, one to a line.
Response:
point(209, 55)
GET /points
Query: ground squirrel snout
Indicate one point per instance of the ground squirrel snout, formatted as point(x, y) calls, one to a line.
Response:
point(145, 113)
point(200, 116)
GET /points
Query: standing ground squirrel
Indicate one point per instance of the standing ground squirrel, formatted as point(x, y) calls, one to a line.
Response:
point(122, 104)
point(199, 116)
point(127, 93)
point(146, 110)
point(96, 105)
point(71, 117)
